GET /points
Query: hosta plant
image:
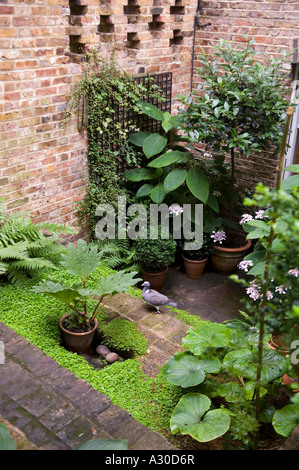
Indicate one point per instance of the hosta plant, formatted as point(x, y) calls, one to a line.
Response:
point(85, 304)
point(217, 374)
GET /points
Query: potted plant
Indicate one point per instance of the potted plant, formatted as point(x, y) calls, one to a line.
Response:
point(154, 257)
point(80, 323)
point(239, 108)
point(228, 254)
point(196, 260)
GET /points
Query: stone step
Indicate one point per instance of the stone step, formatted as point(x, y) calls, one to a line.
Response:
point(57, 410)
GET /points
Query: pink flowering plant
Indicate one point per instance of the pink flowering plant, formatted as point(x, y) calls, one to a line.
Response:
point(282, 291)
point(273, 293)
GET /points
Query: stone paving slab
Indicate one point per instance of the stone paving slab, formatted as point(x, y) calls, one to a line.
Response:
point(55, 409)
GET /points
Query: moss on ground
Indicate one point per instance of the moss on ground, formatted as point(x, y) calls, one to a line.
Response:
point(123, 336)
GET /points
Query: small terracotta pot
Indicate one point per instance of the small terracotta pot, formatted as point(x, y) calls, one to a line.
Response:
point(77, 342)
point(227, 259)
point(156, 279)
point(194, 268)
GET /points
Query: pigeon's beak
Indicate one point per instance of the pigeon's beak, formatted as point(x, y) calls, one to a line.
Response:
point(142, 284)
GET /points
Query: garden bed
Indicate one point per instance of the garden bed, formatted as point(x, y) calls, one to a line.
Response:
point(134, 383)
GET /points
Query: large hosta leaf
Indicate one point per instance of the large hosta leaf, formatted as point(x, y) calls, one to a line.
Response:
point(192, 416)
point(174, 179)
point(187, 370)
point(243, 362)
point(209, 335)
point(290, 183)
point(154, 144)
point(138, 138)
point(286, 419)
point(158, 193)
point(169, 158)
point(198, 184)
point(140, 174)
point(144, 190)
point(151, 110)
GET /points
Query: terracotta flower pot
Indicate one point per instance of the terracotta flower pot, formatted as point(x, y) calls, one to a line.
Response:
point(194, 268)
point(156, 279)
point(227, 259)
point(77, 342)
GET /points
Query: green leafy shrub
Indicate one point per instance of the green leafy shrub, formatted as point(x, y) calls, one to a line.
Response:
point(154, 255)
point(239, 107)
point(123, 336)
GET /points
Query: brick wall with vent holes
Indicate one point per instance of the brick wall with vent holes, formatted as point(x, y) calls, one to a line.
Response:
point(43, 164)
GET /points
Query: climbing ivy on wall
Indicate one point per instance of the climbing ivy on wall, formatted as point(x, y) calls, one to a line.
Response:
point(110, 98)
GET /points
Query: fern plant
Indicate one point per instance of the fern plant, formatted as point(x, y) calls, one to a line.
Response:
point(119, 254)
point(26, 247)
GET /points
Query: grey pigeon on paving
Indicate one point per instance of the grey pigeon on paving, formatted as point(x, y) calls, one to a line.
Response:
point(156, 299)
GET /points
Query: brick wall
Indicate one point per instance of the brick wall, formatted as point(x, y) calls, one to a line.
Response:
point(43, 164)
point(274, 24)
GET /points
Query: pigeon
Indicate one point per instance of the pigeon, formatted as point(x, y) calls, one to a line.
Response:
point(156, 299)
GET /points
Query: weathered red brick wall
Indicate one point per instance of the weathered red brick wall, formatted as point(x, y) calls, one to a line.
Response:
point(43, 164)
point(274, 24)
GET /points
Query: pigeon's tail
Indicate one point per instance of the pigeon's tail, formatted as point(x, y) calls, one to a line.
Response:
point(174, 304)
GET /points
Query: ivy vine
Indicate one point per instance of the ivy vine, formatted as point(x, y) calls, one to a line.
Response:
point(111, 99)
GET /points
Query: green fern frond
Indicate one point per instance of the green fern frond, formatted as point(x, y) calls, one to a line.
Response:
point(3, 267)
point(55, 229)
point(31, 264)
point(17, 251)
point(16, 277)
point(25, 246)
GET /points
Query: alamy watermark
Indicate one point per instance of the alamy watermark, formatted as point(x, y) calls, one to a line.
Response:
point(294, 357)
point(138, 221)
point(2, 353)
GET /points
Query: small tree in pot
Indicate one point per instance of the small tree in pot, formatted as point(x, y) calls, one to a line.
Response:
point(81, 261)
point(239, 107)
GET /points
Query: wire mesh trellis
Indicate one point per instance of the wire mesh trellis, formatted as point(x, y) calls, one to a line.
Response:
point(123, 117)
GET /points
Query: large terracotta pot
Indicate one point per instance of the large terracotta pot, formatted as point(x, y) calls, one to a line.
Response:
point(156, 279)
point(77, 342)
point(194, 268)
point(227, 259)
